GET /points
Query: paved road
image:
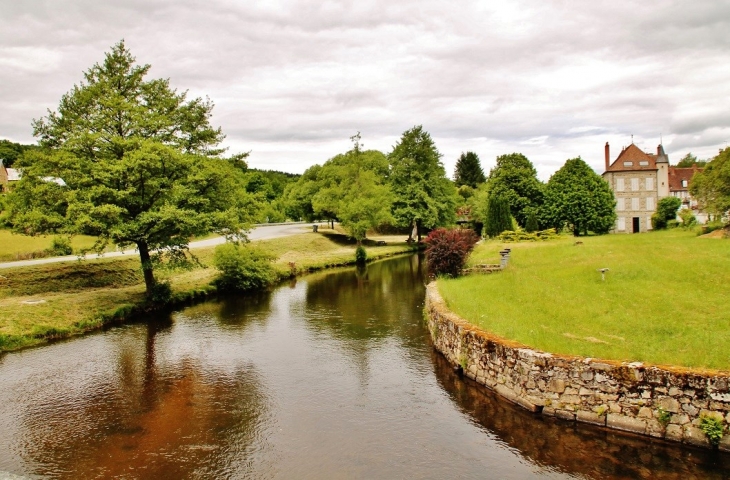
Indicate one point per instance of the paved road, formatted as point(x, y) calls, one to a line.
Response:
point(262, 232)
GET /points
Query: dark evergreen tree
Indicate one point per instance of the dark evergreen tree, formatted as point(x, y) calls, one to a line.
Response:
point(469, 171)
point(498, 218)
point(532, 224)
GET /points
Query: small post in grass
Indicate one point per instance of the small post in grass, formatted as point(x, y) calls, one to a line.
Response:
point(603, 273)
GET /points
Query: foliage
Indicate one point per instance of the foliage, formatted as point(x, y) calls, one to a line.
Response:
point(690, 160)
point(523, 236)
point(515, 179)
point(243, 267)
point(711, 187)
point(578, 197)
point(423, 196)
point(688, 218)
point(361, 256)
point(468, 171)
point(61, 246)
point(447, 250)
point(498, 218)
point(663, 416)
point(668, 206)
point(532, 225)
point(137, 164)
point(10, 151)
point(161, 293)
point(713, 428)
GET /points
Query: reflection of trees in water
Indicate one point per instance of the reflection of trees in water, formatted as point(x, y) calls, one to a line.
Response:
point(368, 302)
point(147, 418)
point(577, 449)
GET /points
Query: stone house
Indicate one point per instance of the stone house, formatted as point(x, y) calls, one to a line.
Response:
point(639, 180)
point(8, 176)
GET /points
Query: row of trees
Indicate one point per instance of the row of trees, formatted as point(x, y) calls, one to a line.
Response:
point(711, 187)
point(574, 197)
point(364, 189)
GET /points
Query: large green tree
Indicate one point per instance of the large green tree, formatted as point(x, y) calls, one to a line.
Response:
point(423, 196)
point(514, 178)
point(469, 171)
point(132, 161)
point(689, 160)
point(711, 187)
point(10, 151)
point(578, 197)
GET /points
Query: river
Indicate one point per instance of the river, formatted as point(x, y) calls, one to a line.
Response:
point(331, 375)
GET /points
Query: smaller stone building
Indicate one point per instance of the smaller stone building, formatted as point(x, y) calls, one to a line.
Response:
point(7, 177)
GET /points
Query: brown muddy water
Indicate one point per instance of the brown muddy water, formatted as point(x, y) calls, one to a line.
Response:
point(331, 376)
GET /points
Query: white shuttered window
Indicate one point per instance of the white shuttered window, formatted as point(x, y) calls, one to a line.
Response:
point(650, 183)
point(619, 184)
point(635, 184)
point(635, 203)
point(621, 224)
point(650, 203)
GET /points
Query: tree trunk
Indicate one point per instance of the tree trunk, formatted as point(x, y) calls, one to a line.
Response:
point(149, 276)
point(418, 230)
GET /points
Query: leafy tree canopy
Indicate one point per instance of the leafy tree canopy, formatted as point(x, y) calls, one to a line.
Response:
point(689, 160)
point(469, 171)
point(711, 187)
point(10, 151)
point(132, 161)
point(423, 196)
point(515, 179)
point(578, 197)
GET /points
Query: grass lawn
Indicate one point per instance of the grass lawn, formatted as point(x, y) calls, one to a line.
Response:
point(665, 300)
point(63, 299)
point(19, 247)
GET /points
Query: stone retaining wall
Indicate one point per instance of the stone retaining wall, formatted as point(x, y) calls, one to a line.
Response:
point(650, 401)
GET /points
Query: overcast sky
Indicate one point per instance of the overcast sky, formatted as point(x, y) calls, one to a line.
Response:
point(293, 80)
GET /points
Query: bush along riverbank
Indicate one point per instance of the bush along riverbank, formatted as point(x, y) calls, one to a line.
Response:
point(675, 404)
point(54, 301)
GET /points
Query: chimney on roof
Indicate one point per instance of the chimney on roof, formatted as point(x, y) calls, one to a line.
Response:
point(608, 156)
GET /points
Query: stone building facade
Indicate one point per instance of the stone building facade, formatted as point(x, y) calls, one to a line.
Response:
point(639, 180)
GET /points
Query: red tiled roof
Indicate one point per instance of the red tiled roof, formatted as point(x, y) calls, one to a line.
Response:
point(633, 155)
point(676, 175)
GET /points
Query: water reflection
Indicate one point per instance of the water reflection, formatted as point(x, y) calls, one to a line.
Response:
point(329, 376)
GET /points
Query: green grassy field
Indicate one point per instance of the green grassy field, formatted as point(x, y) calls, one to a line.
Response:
point(63, 299)
point(665, 300)
point(21, 247)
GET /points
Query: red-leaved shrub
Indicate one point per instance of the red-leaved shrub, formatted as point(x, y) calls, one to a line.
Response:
point(448, 250)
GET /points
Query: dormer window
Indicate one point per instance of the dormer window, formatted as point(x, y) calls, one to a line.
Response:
point(684, 183)
point(644, 163)
point(628, 164)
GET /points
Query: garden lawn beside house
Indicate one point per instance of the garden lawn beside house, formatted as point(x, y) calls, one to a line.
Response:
point(665, 299)
point(58, 300)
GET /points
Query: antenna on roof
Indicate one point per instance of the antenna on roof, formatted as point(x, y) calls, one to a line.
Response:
point(661, 140)
point(632, 139)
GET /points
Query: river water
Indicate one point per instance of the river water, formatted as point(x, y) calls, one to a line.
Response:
point(329, 376)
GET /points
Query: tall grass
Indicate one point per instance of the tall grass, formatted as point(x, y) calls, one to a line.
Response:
point(665, 299)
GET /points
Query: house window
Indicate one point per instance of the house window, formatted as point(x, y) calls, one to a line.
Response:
point(684, 183)
point(635, 184)
point(628, 164)
point(619, 204)
point(619, 184)
point(621, 224)
point(644, 163)
point(650, 183)
point(648, 223)
point(635, 203)
point(650, 203)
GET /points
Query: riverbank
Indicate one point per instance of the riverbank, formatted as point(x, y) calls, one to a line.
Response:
point(676, 405)
point(45, 302)
point(664, 299)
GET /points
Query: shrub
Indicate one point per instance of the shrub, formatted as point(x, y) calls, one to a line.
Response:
point(242, 267)
point(361, 256)
point(713, 428)
point(688, 218)
point(532, 225)
point(498, 217)
point(447, 250)
point(522, 236)
point(61, 246)
point(658, 222)
point(161, 293)
point(673, 224)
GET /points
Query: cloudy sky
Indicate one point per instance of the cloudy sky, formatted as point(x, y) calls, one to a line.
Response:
point(293, 80)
